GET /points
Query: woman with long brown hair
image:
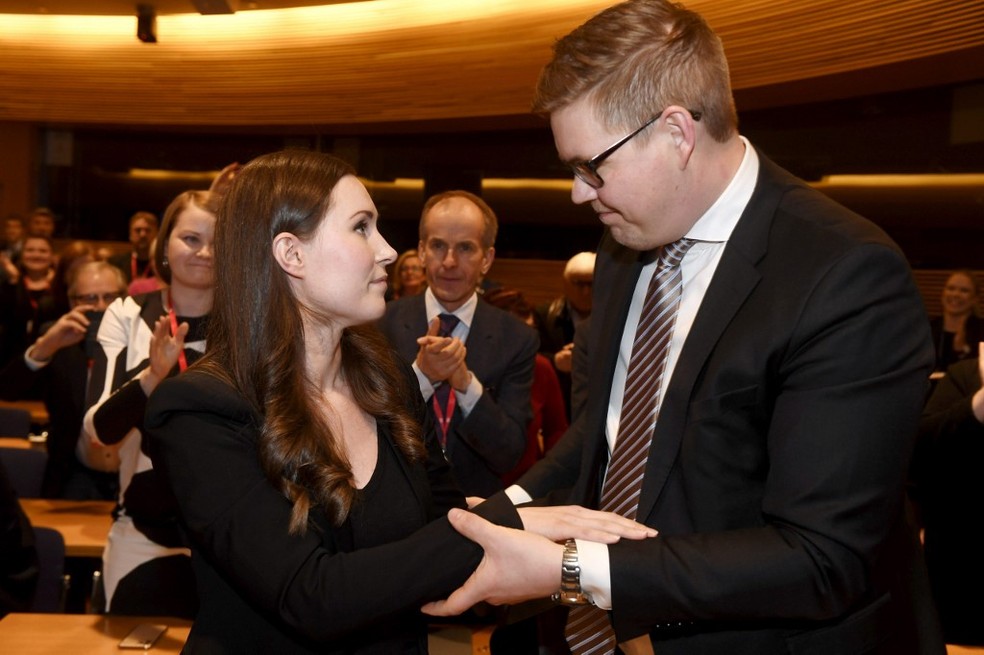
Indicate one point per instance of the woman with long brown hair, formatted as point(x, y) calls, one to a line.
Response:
point(313, 496)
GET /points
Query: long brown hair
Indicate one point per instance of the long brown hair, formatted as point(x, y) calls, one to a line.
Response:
point(256, 336)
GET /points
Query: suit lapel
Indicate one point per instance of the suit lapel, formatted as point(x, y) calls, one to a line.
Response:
point(734, 280)
point(618, 288)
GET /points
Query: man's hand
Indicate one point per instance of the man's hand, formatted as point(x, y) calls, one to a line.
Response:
point(68, 330)
point(563, 357)
point(517, 566)
point(440, 358)
point(574, 522)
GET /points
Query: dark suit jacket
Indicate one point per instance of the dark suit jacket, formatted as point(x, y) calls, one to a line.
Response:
point(263, 591)
point(776, 472)
point(501, 352)
point(64, 382)
point(947, 471)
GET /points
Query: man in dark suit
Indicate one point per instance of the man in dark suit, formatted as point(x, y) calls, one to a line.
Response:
point(136, 263)
point(59, 363)
point(480, 395)
point(557, 320)
point(779, 428)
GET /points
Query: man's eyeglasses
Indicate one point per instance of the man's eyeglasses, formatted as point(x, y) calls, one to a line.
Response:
point(93, 298)
point(587, 171)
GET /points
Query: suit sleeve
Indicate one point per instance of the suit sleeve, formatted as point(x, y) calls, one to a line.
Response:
point(496, 426)
point(239, 523)
point(837, 406)
point(116, 402)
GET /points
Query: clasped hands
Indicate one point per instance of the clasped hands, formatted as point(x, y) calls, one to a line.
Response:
point(521, 565)
point(442, 359)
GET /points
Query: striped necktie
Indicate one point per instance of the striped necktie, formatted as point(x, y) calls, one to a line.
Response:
point(589, 632)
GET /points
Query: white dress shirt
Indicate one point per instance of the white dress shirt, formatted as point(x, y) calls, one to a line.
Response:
point(711, 232)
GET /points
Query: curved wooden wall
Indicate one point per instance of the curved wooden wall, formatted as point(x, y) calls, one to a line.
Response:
point(411, 60)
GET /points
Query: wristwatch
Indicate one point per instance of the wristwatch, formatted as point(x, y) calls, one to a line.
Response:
point(570, 579)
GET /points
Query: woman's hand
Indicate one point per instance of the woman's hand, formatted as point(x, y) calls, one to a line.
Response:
point(164, 351)
point(574, 522)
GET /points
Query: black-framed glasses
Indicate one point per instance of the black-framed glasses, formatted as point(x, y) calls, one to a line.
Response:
point(93, 298)
point(587, 171)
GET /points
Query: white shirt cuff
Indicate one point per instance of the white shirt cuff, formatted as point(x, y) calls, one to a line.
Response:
point(596, 577)
point(518, 495)
point(34, 364)
point(469, 397)
point(426, 388)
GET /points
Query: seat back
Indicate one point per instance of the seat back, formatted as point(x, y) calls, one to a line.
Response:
point(14, 422)
point(25, 468)
point(52, 582)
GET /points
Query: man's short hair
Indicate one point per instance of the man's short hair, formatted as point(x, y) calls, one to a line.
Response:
point(637, 58)
point(491, 222)
point(98, 267)
point(582, 263)
point(144, 216)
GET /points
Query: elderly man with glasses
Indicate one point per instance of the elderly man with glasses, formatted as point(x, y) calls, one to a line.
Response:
point(57, 364)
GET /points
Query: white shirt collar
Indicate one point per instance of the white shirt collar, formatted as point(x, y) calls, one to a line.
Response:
point(465, 313)
point(720, 219)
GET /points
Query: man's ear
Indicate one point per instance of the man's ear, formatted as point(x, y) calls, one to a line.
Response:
point(683, 130)
point(488, 259)
point(288, 252)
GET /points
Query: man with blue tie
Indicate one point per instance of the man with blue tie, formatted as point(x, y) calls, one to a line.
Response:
point(755, 363)
point(474, 361)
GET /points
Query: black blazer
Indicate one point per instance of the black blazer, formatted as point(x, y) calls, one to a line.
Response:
point(263, 591)
point(501, 351)
point(776, 472)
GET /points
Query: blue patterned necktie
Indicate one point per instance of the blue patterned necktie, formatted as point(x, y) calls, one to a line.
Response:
point(443, 392)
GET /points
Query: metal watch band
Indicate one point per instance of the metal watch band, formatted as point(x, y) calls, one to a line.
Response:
point(570, 578)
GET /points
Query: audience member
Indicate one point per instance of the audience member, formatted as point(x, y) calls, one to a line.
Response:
point(27, 299)
point(766, 426)
point(144, 339)
point(136, 263)
point(549, 422)
point(153, 283)
point(557, 320)
point(68, 261)
point(18, 556)
point(947, 464)
point(41, 223)
point(313, 496)
point(480, 395)
point(958, 330)
point(13, 241)
point(408, 276)
point(59, 363)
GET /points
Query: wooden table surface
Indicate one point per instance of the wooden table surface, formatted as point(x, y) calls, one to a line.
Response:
point(15, 442)
point(83, 634)
point(952, 649)
point(39, 413)
point(83, 523)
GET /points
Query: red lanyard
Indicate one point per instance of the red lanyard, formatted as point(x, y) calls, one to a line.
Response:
point(133, 267)
point(182, 360)
point(444, 420)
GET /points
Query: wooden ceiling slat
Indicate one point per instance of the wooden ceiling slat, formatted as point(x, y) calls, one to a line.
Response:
point(404, 68)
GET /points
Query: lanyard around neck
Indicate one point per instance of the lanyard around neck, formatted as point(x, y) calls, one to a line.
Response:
point(182, 360)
